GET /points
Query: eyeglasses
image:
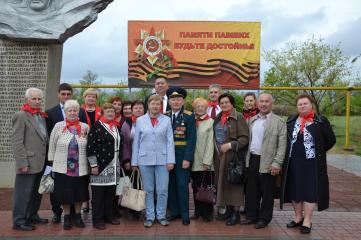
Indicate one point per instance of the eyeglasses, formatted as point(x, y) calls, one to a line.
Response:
point(65, 94)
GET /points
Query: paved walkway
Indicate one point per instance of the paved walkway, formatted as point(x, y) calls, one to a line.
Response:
point(341, 221)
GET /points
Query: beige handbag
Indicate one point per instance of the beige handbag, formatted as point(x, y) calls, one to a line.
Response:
point(123, 182)
point(134, 198)
point(46, 184)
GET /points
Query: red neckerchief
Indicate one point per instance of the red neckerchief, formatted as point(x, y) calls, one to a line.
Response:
point(224, 117)
point(26, 107)
point(212, 104)
point(134, 119)
point(111, 123)
point(247, 114)
point(307, 118)
point(200, 119)
point(75, 124)
point(154, 121)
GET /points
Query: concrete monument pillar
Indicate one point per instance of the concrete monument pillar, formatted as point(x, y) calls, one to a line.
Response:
point(32, 33)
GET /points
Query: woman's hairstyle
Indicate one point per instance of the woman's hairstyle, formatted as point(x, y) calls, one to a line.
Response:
point(199, 101)
point(107, 106)
point(229, 96)
point(71, 104)
point(92, 91)
point(115, 99)
point(155, 97)
point(305, 95)
point(124, 104)
point(138, 102)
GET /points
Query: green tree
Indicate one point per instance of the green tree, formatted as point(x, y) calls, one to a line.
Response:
point(312, 63)
point(89, 78)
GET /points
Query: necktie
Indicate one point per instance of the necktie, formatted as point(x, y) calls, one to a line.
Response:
point(213, 113)
point(173, 122)
point(161, 106)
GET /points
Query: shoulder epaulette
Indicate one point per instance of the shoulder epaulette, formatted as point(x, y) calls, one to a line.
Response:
point(187, 112)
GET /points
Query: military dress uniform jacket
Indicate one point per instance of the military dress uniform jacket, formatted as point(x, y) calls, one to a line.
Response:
point(185, 134)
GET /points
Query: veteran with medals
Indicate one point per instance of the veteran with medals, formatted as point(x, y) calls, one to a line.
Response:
point(184, 133)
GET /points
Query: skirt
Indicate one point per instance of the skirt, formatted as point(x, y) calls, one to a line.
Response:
point(71, 190)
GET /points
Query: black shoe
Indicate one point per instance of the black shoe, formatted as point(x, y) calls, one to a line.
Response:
point(306, 230)
point(234, 219)
point(24, 227)
point(39, 220)
point(78, 221)
point(261, 224)
point(294, 224)
point(56, 218)
point(171, 218)
point(248, 221)
point(186, 222)
point(67, 225)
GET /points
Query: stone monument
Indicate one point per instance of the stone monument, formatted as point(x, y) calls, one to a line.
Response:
point(32, 33)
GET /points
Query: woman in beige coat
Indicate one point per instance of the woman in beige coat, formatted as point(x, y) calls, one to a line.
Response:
point(202, 168)
point(231, 134)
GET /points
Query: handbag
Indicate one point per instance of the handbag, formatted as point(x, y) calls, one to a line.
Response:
point(134, 198)
point(123, 182)
point(206, 193)
point(236, 167)
point(46, 184)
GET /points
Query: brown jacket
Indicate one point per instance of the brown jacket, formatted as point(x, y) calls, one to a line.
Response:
point(227, 193)
point(28, 142)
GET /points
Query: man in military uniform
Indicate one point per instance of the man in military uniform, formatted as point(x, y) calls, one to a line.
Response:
point(184, 133)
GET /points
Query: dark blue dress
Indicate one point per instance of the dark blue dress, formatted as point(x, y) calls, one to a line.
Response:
point(301, 185)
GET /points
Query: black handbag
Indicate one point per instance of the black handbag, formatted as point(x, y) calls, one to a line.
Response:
point(235, 170)
point(236, 167)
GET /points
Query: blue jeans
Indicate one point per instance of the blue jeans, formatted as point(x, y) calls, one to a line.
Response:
point(155, 176)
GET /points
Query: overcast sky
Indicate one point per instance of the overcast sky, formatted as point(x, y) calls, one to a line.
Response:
point(102, 47)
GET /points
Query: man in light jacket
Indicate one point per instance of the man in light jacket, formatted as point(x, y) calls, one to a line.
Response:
point(264, 161)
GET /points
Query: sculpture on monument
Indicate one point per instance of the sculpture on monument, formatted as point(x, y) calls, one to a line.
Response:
point(47, 20)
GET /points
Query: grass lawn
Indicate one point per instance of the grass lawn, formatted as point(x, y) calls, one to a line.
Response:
point(338, 124)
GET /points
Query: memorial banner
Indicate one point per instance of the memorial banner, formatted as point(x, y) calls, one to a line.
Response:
point(194, 54)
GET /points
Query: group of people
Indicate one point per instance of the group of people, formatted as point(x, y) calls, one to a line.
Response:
point(170, 147)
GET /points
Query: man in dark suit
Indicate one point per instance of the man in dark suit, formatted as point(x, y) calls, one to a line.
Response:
point(56, 114)
point(161, 87)
point(28, 141)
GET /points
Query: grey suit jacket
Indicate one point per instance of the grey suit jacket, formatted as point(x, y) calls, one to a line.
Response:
point(28, 142)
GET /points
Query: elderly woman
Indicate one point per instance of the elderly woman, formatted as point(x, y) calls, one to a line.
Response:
point(117, 104)
point(305, 181)
point(92, 111)
point(202, 168)
point(137, 110)
point(104, 151)
point(67, 151)
point(231, 134)
point(153, 153)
